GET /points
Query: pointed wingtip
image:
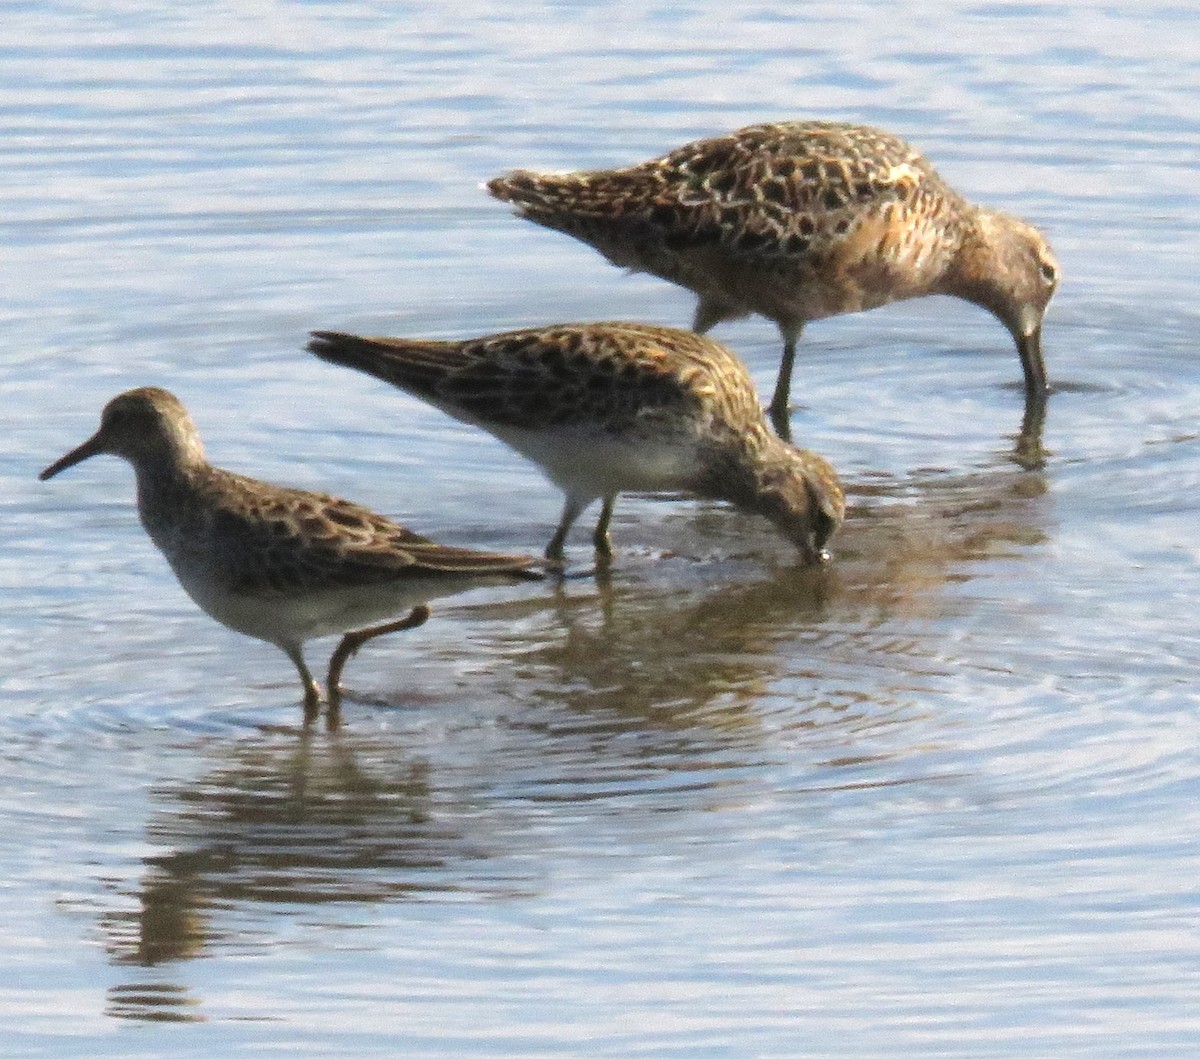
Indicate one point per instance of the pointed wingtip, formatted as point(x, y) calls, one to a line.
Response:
point(324, 343)
point(497, 187)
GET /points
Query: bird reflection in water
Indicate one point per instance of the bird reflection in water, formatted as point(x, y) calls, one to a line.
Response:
point(279, 822)
point(653, 682)
point(684, 655)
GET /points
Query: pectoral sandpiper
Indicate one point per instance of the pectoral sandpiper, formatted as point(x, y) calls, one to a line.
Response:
point(283, 565)
point(606, 408)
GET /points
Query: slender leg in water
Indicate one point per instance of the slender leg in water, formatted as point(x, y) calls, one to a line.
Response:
point(571, 511)
point(781, 401)
point(602, 539)
point(312, 691)
point(352, 641)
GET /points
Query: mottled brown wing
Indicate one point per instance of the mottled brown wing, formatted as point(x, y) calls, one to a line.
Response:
point(276, 539)
point(779, 191)
point(544, 377)
point(766, 192)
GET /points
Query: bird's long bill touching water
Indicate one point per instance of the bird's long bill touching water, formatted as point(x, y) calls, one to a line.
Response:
point(797, 221)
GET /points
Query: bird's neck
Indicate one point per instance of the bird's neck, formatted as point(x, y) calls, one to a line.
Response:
point(165, 487)
point(970, 273)
point(734, 467)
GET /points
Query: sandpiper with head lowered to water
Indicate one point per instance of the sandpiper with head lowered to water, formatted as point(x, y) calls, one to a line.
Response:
point(612, 407)
point(798, 221)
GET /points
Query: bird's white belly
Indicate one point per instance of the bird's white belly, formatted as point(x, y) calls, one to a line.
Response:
point(594, 463)
point(290, 618)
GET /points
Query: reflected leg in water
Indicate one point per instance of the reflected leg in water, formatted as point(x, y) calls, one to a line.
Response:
point(348, 648)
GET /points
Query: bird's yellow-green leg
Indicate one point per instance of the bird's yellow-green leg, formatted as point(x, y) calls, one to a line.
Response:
point(352, 641)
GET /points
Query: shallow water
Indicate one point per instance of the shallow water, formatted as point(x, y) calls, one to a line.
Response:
point(936, 798)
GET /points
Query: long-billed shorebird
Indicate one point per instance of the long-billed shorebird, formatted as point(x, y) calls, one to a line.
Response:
point(283, 565)
point(606, 408)
point(798, 221)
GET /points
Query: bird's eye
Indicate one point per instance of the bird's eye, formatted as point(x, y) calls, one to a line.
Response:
point(1049, 273)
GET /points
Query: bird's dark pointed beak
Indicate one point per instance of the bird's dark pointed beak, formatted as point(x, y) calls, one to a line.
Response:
point(1029, 346)
point(92, 447)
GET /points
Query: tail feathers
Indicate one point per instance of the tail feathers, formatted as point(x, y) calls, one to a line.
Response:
point(546, 196)
point(412, 364)
point(524, 188)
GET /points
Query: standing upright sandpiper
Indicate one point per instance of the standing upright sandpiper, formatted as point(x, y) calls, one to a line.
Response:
point(799, 221)
point(283, 565)
point(606, 408)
